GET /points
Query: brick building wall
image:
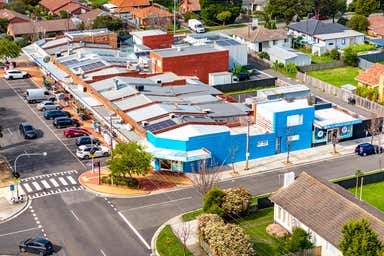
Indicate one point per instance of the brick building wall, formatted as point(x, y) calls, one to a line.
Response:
point(110, 39)
point(199, 65)
point(158, 41)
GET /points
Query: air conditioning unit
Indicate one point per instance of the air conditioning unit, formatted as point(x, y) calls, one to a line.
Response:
point(140, 88)
point(144, 123)
point(172, 115)
point(207, 110)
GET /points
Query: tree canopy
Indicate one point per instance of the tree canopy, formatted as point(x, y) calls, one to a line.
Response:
point(224, 16)
point(112, 24)
point(298, 241)
point(3, 25)
point(288, 9)
point(359, 23)
point(129, 159)
point(9, 49)
point(366, 7)
point(211, 8)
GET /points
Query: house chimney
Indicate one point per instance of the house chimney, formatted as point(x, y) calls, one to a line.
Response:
point(289, 178)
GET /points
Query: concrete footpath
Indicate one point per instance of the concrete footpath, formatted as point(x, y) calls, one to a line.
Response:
point(8, 209)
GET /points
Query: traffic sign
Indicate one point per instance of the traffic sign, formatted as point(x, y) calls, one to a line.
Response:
point(12, 187)
point(16, 180)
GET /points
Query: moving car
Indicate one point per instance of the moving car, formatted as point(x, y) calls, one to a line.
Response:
point(47, 105)
point(15, 74)
point(86, 140)
point(52, 114)
point(27, 131)
point(75, 132)
point(37, 245)
point(84, 151)
point(38, 95)
point(365, 149)
point(63, 122)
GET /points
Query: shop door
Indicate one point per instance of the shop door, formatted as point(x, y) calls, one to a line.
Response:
point(165, 165)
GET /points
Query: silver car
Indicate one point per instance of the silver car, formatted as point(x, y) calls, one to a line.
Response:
point(47, 105)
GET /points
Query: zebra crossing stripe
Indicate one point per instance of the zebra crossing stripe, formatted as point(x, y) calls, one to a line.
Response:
point(53, 181)
point(36, 185)
point(27, 187)
point(71, 179)
point(45, 184)
point(63, 181)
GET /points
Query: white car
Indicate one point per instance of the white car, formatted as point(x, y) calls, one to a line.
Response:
point(48, 105)
point(15, 74)
point(84, 151)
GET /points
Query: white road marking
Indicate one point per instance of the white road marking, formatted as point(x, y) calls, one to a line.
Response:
point(156, 204)
point(71, 179)
point(63, 181)
point(16, 232)
point(9, 130)
point(102, 252)
point(135, 231)
point(36, 185)
point(45, 184)
point(74, 215)
point(53, 181)
point(27, 187)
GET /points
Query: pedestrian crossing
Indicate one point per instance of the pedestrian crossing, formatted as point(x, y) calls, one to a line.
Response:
point(50, 184)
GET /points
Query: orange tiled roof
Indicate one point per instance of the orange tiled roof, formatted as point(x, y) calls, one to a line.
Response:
point(70, 7)
point(131, 3)
point(123, 9)
point(191, 5)
point(53, 5)
point(9, 15)
point(371, 76)
point(151, 10)
point(376, 24)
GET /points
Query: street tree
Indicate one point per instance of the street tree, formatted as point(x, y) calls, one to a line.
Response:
point(184, 232)
point(366, 7)
point(224, 16)
point(359, 23)
point(287, 9)
point(129, 159)
point(211, 8)
point(359, 239)
point(374, 129)
point(9, 49)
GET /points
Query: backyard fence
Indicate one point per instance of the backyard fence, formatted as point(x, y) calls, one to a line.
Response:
point(342, 94)
point(245, 85)
point(320, 66)
point(367, 60)
point(369, 178)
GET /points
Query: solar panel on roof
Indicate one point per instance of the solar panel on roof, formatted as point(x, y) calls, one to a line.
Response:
point(159, 126)
point(70, 62)
point(92, 66)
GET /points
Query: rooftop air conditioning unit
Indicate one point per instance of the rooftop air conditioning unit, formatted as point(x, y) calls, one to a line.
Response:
point(158, 81)
point(144, 123)
point(172, 115)
point(140, 88)
point(207, 110)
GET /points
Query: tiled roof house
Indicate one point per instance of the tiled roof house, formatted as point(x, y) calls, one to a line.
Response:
point(371, 76)
point(189, 6)
point(70, 6)
point(152, 16)
point(376, 25)
point(13, 17)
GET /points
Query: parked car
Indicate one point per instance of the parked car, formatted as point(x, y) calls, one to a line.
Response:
point(52, 114)
point(84, 151)
point(27, 130)
point(87, 140)
point(37, 245)
point(63, 122)
point(75, 132)
point(15, 74)
point(48, 105)
point(365, 149)
point(38, 95)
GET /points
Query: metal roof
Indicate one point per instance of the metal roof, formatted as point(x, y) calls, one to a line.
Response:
point(316, 27)
point(182, 51)
point(152, 32)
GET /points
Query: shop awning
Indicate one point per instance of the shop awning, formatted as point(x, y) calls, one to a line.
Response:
point(176, 155)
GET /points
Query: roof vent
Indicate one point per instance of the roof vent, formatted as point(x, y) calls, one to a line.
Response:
point(118, 86)
point(144, 123)
point(207, 110)
point(171, 116)
point(158, 81)
point(140, 88)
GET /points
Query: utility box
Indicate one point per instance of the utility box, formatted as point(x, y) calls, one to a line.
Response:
point(220, 78)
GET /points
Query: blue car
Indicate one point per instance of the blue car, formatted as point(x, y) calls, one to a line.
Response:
point(52, 114)
point(365, 149)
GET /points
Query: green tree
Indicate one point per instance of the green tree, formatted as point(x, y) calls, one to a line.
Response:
point(212, 201)
point(298, 241)
point(64, 14)
point(359, 23)
point(17, 6)
point(9, 49)
point(224, 16)
point(129, 159)
point(350, 57)
point(112, 24)
point(211, 8)
point(190, 15)
point(359, 239)
point(287, 9)
point(3, 25)
point(334, 7)
point(366, 7)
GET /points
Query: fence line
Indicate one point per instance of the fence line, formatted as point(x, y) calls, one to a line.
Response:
point(320, 66)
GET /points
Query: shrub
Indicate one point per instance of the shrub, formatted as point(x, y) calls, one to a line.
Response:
point(366, 92)
point(342, 21)
point(361, 47)
point(121, 181)
point(212, 201)
point(290, 68)
point(264, 55)
point(236, 201)
point(335, 55)
point(298, 241)
point(350, 57)
point(358, 22)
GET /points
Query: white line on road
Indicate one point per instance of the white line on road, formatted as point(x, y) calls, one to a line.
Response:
point(45, 184)
point(9, 130)
point(16, 232)
point(27, 187)
point(102, 252)
point(74, 215)
point(71, 179)
point(53, 181)
point(36, 185)
point(63, 181)
point(134, 231)
point(156, 204)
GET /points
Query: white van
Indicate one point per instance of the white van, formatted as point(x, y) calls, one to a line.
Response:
point(38, 95)
point(196, 26)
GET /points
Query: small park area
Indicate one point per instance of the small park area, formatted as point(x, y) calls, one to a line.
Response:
point(372, 194)
point(337, 76)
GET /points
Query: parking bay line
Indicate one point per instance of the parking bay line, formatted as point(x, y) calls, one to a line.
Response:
point(20, 231)
point(74, 215)
point(157, 204)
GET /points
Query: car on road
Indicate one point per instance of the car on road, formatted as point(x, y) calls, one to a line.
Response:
point(36, 245)
point(365, 149)
point(63, 122)
point(87, 140)
point(27, 130)
point(48, 105)
point(75, 132)
point(85, 151)
point(52, 114)
point(15, 74)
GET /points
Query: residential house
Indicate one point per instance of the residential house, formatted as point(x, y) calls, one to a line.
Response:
point(323, 37)
point(41, 27)
point(371, 76)
point(259, 39)
point(88, 17)
point(287, 55)
point(70, 6)
point(12, 16)
point(321, 208)
point(376, 25)
point(123, 8)
point(189, 6)
point(152, 16)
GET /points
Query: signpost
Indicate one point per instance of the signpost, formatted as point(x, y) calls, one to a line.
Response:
point(12, 188)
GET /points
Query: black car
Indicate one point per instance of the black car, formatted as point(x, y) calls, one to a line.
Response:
point(64, 122)
point(37, 245)
point(27, 131)
point(52, 114)
point(86, 140)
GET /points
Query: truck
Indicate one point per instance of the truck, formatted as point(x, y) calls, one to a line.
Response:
point(38, 95)
point(196, 26)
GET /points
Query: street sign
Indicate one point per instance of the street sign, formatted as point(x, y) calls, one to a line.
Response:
point(16, 180)
point(12, 187)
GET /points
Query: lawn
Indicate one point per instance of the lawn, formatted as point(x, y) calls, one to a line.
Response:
point(315, 58)
point(167, 237)
point(372, 194)
point(192, 215)
point(337, 76)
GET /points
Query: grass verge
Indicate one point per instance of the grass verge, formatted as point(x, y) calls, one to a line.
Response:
point(168, 244)
point(191, 215)
point(337, 76)
point(372, 194)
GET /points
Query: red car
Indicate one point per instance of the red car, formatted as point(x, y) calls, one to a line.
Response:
point(75, 132)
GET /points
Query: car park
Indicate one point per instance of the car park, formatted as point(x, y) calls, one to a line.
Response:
point(86, 151)
point(63, 122)
point(86, 140)
point(48, 105)
point(27, 131)
point(75, 132)
point(37, 245)
point(365, 149)
point(52, 114)
point(15, 74)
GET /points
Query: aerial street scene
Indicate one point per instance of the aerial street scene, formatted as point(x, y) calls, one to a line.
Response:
point(192, 127)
